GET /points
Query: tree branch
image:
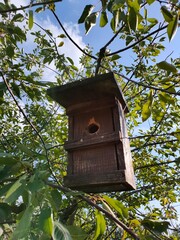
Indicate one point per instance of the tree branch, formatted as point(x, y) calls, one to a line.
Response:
point(153, 144)
point(140, 40)
point(155, 135)
point(58, 20)
point(30, 123)
point(157, 164)
point(166, 181)
point(28, 6)
point(147, 86)
point(91, 203)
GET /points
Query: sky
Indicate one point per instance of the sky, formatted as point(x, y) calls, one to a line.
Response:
point(69, 12)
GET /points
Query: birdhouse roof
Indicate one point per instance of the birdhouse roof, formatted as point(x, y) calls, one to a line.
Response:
point(87, 90)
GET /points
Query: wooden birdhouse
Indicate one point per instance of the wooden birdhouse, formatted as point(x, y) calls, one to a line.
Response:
point(99, 156)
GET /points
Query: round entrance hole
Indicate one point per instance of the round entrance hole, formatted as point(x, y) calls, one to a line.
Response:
point(93, 128)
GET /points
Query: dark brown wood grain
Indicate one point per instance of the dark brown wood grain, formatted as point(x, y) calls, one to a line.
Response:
point(99, 157)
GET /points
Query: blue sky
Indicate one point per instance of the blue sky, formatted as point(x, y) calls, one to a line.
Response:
point(69, 12)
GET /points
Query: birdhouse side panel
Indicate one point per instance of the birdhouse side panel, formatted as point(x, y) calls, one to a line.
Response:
point(126, 148)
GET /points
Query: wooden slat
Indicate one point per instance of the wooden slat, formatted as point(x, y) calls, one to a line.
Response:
point(112, 181)
point(104, 139)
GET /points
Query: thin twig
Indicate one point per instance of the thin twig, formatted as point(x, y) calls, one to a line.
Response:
point(145, 85)
point(58, 20)
point(91, 203)
point(135, 43)
point(115, 35)
point(30, 123)
point(156, 165)
point(155, 135)
point(28, 6)
point(167, 181)
point(153, 144)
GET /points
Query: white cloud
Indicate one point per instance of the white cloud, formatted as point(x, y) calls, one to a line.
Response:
point(20, 2)
point(69, 49)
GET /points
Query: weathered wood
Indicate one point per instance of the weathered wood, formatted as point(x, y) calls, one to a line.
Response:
point(87, 89)
point(93, 182)
point(99, 157)
point(93, 140)
point(85, 106)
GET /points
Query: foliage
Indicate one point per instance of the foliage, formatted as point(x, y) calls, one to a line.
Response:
point(33, 202)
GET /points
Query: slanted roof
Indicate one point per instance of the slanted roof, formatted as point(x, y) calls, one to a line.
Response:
point(87, 89)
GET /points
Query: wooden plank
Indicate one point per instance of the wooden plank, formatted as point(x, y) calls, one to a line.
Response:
point(112, 181)
point(97, 160)
point(91, 142)
point(87, 106)
point(87, 89)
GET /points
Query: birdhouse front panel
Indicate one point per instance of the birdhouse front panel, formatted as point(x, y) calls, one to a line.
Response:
point(99, 157)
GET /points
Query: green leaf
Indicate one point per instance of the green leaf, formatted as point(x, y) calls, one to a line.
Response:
point(168, 17)
point(70, 60)
point(129, 39)
point(90, 21)
point(60, 44)
point(166, 98)
point(18, 17)
point(16, 90)
point(146, 109)
point(155, 225)
point(150, 1)
point(133, 19)
point(56, 199)
point(100, 225)
point(35, 183)
point(117, 205)
point(5, 212)
point(16, 190)
point(167, 66)
point(23, 226)
point(115, 20)
point(8, 159)
point(177, 135)
point(31, 21)
point(2, 6)
point(61, 36)
point(86, 12)
point(40, 9)
point(2, 86)
point(10, 51)
point(26, 150)
point(61, 232)
point(154, 21)
point(115, 57)
point(172, 27)
point(20, 34)
point(103, 19)
point(77, 233)
point(135, 5)
point(46, 221)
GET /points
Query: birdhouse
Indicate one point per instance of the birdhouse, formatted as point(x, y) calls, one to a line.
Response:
point(99, 156)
